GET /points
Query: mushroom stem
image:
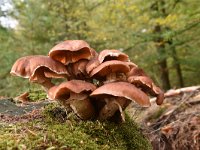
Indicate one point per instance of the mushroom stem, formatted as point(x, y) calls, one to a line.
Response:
point(123, 102)
point(115, 77)
point(80, 104)
point(47, 84)
point(112, 106)
point(111, 76)
point(108, 110)
point(83, 108)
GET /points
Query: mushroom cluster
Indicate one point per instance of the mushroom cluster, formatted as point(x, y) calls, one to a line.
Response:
point(97, 86)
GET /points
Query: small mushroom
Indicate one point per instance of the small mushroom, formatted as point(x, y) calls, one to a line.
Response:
point(110, 70)
point(143, 82)
point(117, 94)
point(24, 97)
point(156, 91)
point(147, 85)
point(71, 51)
point(74, 94)
point(39, 69)
point(107, 55)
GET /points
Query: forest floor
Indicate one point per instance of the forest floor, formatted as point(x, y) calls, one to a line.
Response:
point(173, 125)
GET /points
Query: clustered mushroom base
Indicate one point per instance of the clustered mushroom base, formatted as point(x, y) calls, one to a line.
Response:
point(98, 86)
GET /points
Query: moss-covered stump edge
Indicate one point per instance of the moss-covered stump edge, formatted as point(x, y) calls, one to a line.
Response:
point(56, 130)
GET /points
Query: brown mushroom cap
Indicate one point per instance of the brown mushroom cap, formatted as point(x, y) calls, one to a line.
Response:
point(122, 89)
point(71, 51)
point(147, 85)
point(159, 94)
point(94, 53)
point(107, 55)
point(135, 71)
point(24, 97)
point(141, 81)
point(113, 66)
point(74, 93)
point(132, 65)
point(64, 89)
point(92, 64)
point(38, 68)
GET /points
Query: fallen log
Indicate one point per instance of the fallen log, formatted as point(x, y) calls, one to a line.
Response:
point(175, 92)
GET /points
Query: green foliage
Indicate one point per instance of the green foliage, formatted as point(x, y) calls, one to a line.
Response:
point(71, 132)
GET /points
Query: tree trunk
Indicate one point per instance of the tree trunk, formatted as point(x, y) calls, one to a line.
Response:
point(162, 61)
point(177, 67)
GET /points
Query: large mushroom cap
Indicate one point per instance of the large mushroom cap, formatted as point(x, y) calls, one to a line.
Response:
point(107, 55)
point(71, 51)
point(113, 66)
point(33, 67)
point(122, 89)
point(64, 89)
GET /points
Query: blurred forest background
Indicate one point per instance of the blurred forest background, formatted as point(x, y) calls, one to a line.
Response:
point(161, 36)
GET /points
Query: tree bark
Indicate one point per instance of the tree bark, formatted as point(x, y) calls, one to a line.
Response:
point(177, 65)
point(162, 60)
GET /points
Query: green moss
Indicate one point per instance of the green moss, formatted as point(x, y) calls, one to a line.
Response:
point(70, 132)
point(37, 94)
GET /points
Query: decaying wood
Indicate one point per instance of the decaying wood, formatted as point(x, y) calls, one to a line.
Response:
point(174, 92)
point(176, 123)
